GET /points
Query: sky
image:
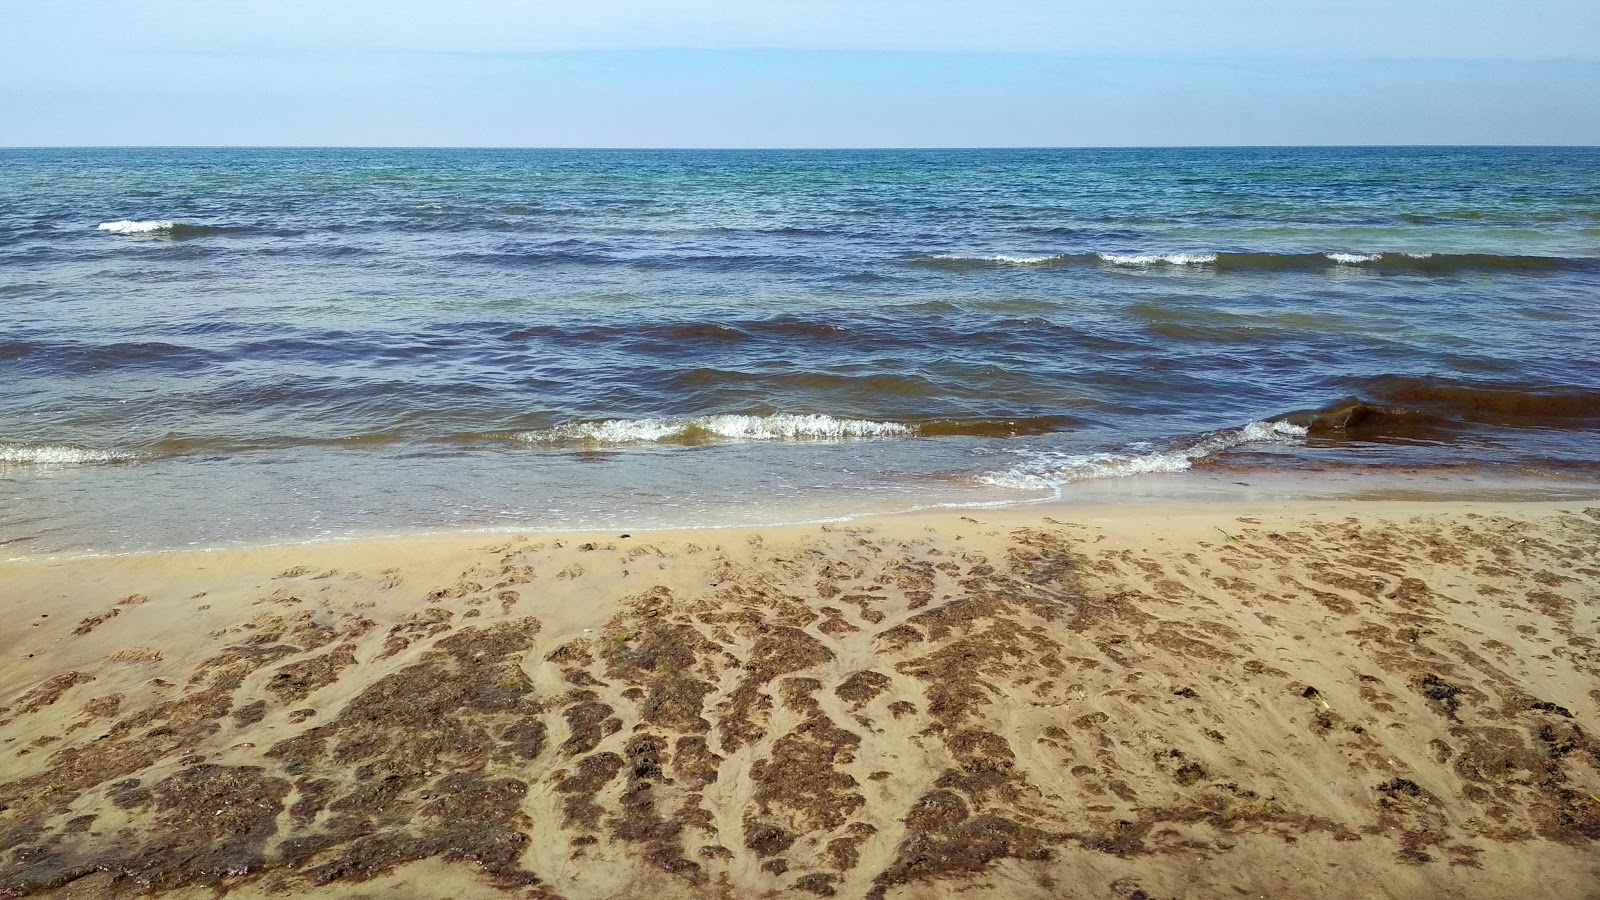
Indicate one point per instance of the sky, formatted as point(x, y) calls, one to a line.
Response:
point(798, 73)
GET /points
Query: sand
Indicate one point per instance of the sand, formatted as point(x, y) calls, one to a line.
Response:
point(1331, 699)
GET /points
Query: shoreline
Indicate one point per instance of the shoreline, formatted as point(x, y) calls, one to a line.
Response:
point(1203, 487)
point(1324, 698)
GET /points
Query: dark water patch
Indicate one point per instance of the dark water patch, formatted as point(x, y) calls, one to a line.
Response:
point(997, 428)
point(1057, 230)
point(317, 251)
point(1522, 405)
point(685, 336)
point(1354, 419)
point(245, 409)
point(789, 327)
point(18, 349)
point(1413, 409)
point(668, 336)
point(1401, 263)
point(654, 261)
point(81, 358)
point(534, 258)
point(217, 327)
point(364, 349)
point(1034, 305)
point(714, 332)
point(222, 445)
point(875, 385)
point(923, 328)
point(730, 262)
point(863, 278)
point(1185, 324)
point(780, 231)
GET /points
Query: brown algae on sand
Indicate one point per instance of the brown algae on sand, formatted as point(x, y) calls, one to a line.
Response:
point(1398, 702)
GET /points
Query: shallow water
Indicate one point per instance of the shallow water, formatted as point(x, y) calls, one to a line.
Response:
point(220, 346)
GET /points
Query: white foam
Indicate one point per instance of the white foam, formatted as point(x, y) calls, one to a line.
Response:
point(1001, 258)
point(57, 455)
point(724, 428)
point(1359, 258)
point(1157, 259)
point(129, 226)
point(1047, 470)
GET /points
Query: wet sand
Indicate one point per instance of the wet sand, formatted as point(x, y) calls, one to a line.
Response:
point(1330, 699)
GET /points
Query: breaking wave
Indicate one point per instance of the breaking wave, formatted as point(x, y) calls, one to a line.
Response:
point(129, 226)
point(1157, 259)
point(779, 427)
point(1049, 469)
point(707, 429)
point(157, 227)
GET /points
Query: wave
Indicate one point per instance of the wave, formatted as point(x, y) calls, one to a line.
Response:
point(1420, 263)
point(1049, 469)
point(158, 227)
point(129, 226)
point(780, 427)
point(58, 455)
point(999, 259)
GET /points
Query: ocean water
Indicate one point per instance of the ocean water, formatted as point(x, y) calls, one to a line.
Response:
point(204, 347)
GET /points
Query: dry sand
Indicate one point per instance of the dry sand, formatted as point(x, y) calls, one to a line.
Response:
point(1373, 699)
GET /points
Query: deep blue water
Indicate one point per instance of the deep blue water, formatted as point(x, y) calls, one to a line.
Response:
point(207, 346)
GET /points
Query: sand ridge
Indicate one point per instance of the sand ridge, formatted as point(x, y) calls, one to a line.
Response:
point(1324, 700)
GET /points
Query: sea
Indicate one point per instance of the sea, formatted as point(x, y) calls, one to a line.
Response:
point(205, 348)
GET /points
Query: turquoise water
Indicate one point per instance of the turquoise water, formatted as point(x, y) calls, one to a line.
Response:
point(221, 346)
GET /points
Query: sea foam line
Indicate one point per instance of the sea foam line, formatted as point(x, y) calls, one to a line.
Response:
point(718, 428)
point(1000, 258)
point(1247, 259)
point(1047, 470)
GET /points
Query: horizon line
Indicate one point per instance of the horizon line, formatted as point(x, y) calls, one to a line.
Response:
point(795, 149)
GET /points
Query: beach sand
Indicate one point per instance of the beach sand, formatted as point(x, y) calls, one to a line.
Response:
point(1333, 699)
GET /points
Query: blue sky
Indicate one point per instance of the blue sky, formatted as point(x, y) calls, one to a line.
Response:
point(820, 73)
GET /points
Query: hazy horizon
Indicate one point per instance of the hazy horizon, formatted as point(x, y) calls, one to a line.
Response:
point(694, 74)
point(777, 149)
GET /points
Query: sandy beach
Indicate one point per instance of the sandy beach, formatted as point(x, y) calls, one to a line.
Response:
point(1332, 699)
